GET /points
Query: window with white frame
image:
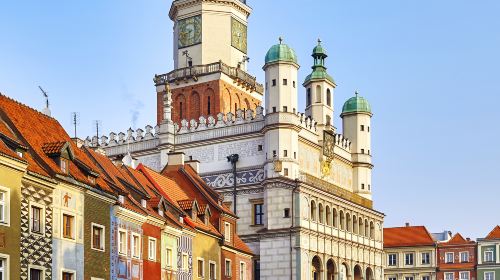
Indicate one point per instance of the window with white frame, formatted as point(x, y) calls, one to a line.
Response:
point(66, 275)
point(489, 275)
point(36, 218)
point(426, 278)
point(169, 257)
point(464, 257)
point(4, 206)
point(408, 258)
point(243, 271)
point(488, 256)
point(426, 258)
point(392, 259)
point(97, 237)
point(122, 242)
point(409, 278)
point(227, 232)
point(35, 273)
point(464, 275)
point(152, 249)
point(227, 268)
point(201, 268)
point(68, 226)
point(185, 260)
point(449, 276)
point(3, 268)
point(449, 257)
point(392, 278)
point(136, 245)
point(212, 270)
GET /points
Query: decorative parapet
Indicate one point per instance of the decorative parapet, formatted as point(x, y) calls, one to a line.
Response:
point(182, 74)
point(335, 190)
point(342, 142)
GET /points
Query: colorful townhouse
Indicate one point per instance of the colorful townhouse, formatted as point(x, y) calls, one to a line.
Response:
point(488, 256)
point(410, 254)
point(218, 252)
point(456, 259)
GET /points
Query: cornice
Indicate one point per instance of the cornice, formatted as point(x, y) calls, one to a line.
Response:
point(234, 3)
point(128, 215)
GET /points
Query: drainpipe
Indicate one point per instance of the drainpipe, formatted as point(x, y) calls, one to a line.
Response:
point(233, 159)
point(291, 227)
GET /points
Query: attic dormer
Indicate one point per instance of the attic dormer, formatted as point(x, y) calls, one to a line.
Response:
point(61, 153)
point(191, 207)
point(205, 214)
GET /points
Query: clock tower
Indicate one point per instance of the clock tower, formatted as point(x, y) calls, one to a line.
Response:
point(210, 61)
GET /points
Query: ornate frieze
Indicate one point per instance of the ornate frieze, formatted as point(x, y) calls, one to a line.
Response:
point(246, 177)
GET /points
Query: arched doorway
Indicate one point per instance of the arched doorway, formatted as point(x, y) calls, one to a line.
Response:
point(369, 274)
point(358, 274)
point(316, 268)
point(343, 272)
point(330, 270)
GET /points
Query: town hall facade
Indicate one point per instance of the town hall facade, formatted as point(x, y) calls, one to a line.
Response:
point(303, 190)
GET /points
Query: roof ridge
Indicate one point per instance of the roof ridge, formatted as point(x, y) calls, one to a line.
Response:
point(494, 233)
point(26, 106)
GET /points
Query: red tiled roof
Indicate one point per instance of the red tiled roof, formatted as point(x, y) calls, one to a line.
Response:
point(186, 204)
point(242, 246)
point(494, 234)
point(458, 239)
point(53, 147)
point(407, 237)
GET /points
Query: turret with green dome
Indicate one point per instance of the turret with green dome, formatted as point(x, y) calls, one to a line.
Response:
point(319, 69)
point(356, 104)
point(281, 53)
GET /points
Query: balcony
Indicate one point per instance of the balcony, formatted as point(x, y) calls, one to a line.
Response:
point(183, 74)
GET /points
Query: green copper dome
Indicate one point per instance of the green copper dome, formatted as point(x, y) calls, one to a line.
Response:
point(281, 52)
point(356, 104)
point(319, 69)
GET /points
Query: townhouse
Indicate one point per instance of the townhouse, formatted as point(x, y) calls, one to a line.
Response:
point(410, 253)
point(488, 256)
point(456, 259)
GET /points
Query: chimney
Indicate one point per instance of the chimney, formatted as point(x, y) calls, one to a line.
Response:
point(468, 239)
point(175, 158)
point(195, 164)
point(121, 199)
point(407, 224)
point(79, 142)
point(143, 203)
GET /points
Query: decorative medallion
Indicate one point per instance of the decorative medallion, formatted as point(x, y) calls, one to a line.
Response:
point(325, 167)
point(239, 35)
point(278, 165)
point(189, 31)
point(328, 144)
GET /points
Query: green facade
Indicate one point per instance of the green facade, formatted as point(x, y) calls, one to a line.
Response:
point(483, 266)
point(96, 211)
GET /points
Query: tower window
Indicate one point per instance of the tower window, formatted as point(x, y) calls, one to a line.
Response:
point(362, 151)
point(368, 129)
point(208, 105)
point(295, 155)
point(362, 186)
point(308, 97)
point(362, 128)
point(274, 82)
point(285, 171)
point(180, 111)
point(274, 109)
point(328, 120)
point(293, 84)
point(369, 187)
point(274, 153)
point(285, 153)
point(285, 109)
point(285, 82)
point(368, 151)
point(286, 213)
point(328, 97)
point(259, 148)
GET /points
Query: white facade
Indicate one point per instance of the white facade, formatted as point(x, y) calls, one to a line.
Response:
point(316, 221)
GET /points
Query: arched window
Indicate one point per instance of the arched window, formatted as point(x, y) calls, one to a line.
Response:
point(360, 225)
point(226, 98)
point(342, 220)
point(179, 111)
point(208, 105)
point(195, 105)
point(328, 120)
point(318, 94)
point(372, 230)
point(328, 216)
point(320, 206)
point(348, 222)
point(367, 231)
point(308, 97)
point(328, 97)
point(354, 224)
point(335, 217)
point(235, 108)
point(313, 210)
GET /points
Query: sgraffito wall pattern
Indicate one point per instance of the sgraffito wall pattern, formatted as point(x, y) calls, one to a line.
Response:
point(36, 249)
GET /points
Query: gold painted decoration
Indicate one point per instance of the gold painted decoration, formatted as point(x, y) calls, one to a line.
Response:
point(325, 168)
point(238, 35)
point(189, 31)
point(278, 165)
point(328, 144)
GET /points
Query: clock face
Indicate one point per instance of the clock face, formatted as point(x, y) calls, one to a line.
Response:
point(189, 31)
point(239, 35)
point(328, 144)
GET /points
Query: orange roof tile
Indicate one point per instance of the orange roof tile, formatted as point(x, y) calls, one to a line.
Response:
point(186, 204)
point(242, 246)
point(494, 234)
point(53, 147)
point(407, 237)
point(458, 239)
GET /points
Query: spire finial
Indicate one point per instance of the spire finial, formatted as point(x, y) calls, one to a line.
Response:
point(319, 41)
point(356, 93)
point(280, 39)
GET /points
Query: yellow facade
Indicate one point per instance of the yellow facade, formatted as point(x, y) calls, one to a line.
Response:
point(206, 250)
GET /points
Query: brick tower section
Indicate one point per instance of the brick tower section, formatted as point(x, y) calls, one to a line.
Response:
point(205, 99)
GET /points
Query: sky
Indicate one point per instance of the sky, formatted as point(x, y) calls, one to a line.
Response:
point(430, 70)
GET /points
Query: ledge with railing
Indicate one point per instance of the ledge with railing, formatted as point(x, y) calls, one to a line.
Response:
point(194, 72)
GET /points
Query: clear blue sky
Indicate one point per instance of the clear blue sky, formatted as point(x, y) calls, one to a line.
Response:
point(430, 70)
